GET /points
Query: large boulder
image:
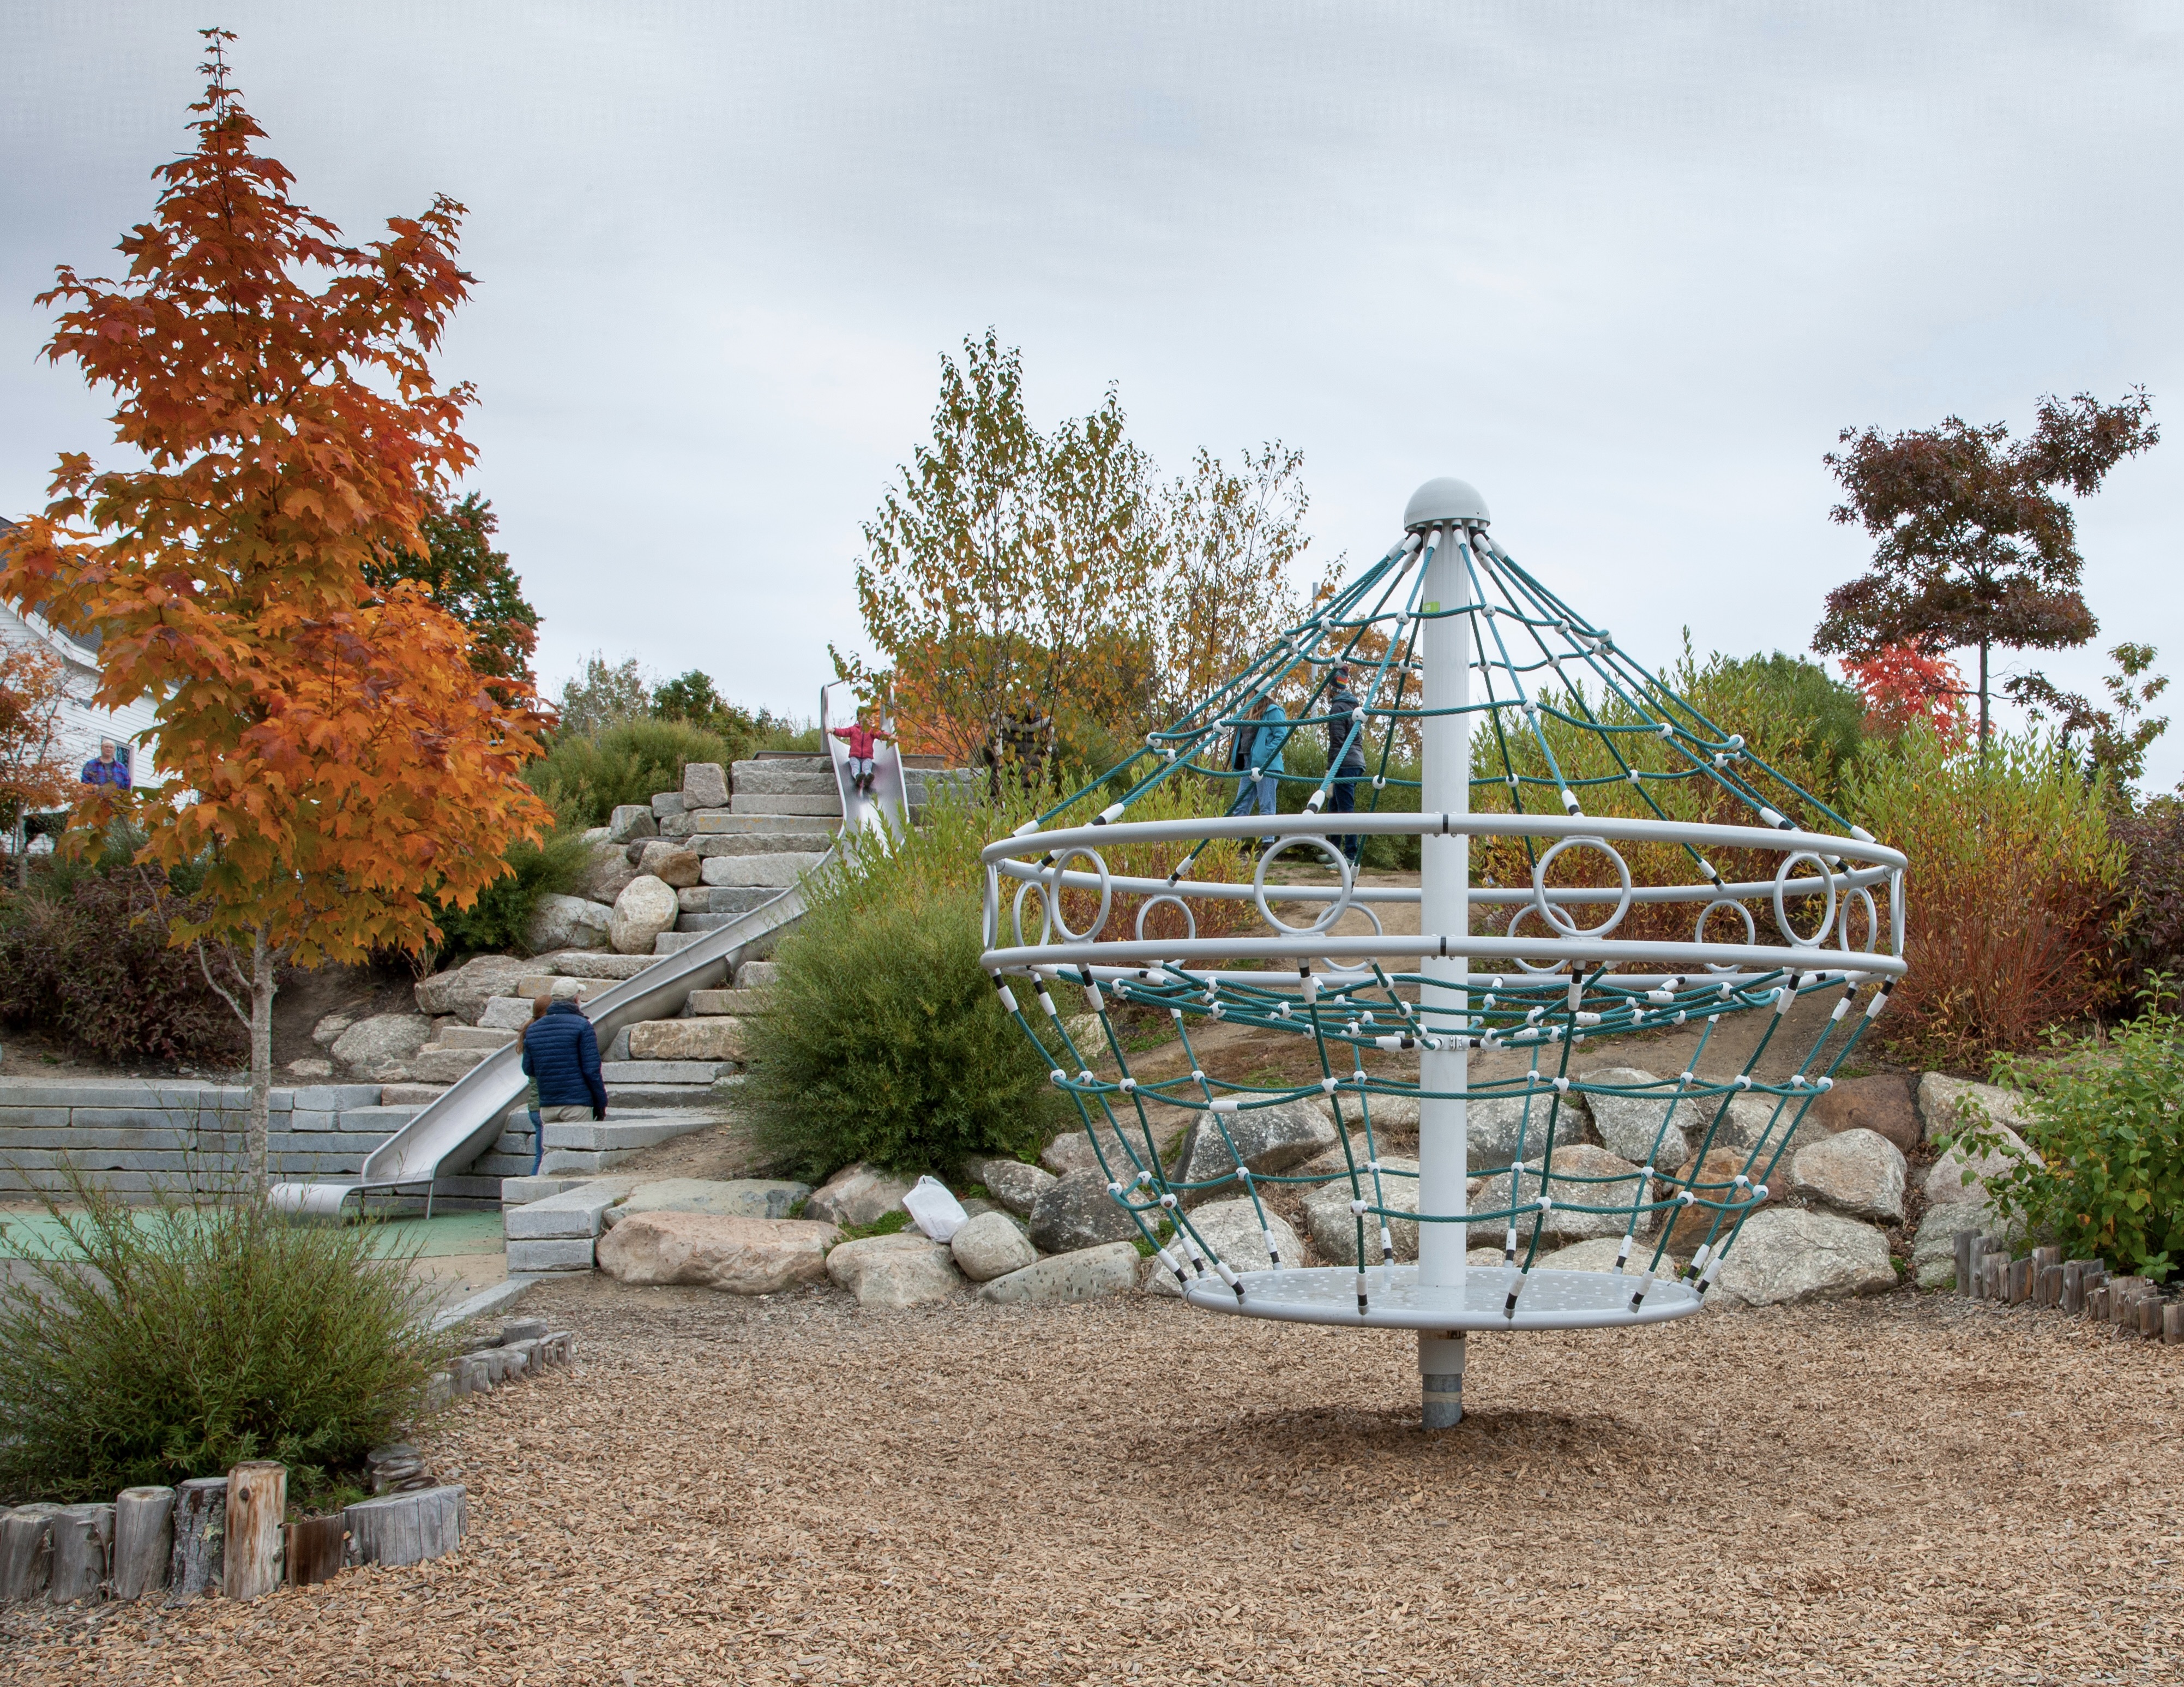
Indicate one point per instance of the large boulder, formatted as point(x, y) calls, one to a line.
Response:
point(1077, 1212)
point(646, 907)
point(1264, 1139)
point(737, 1255)
point(1397, 1112)
point(567, 923)
point(1071, 1151)
point(462, 990)
point(1788, 1254)
point(991, 1245)
point(1858, 1172)
point(1716, 1181)
point(607, 876)
point(892, 1272)
point(671, 863)
point(1628, 1125)
point(1088, 1274)
point(1883, 1102)
point(1565, 1222)
point(632, 821)
point(756, 1197)
point(705, 785)
point(1934, 1250)
point(1946, 1182)
point(1941, 1104)
point(712, 1037)
point(1334, 1227)
point(1492, 1126)
point(381, 1042)
point(1014, 1184)
point(1231, 1231)
point(858, 1194)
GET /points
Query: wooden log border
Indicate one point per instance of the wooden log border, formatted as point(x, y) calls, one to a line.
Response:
point(176, 1542)
point(2076, 1287)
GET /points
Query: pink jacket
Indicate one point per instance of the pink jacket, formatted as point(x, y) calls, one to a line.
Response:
point(862, 737)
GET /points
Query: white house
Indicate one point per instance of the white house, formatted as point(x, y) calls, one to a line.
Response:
point(82, 725)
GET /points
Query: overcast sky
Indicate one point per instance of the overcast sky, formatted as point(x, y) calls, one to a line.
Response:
point(1628, 269)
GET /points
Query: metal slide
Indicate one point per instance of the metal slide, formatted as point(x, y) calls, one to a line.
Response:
point(889, 806)
point(463, 1124)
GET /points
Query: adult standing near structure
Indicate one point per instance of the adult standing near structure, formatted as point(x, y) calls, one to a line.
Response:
point(107, 768)
point(1267, 744)
point(1345, 755)
point(561, 1051)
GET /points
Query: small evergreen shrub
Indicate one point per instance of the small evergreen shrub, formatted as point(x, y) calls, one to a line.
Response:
point(886, 1042)
point(2109, 1124)
point(163, 1344)
point(85, 958)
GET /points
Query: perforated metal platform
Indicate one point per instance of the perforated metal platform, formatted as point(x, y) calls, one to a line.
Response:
point(1547, 1300)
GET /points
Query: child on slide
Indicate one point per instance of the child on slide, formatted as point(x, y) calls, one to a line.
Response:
point(861, 739)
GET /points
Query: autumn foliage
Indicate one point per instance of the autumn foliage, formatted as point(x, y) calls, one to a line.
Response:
point(328, 746)
point(1902, 683)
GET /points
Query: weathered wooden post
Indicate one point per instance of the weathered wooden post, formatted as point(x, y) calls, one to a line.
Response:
point(1963, 1241)
point(143, 1541)
point(83, 1544)
point(2172, 1324)
point(26, 1552)
point(257, 1503)
point(316, 1550)
point(200, 1529)
point(408, 1528)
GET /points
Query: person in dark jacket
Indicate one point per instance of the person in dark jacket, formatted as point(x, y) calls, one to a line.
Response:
point(561, 1051)
point(1345, 754)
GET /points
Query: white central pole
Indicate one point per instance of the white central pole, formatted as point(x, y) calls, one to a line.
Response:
point(1445, 881)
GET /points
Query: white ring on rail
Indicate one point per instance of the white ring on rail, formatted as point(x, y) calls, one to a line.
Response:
point(1152, 902)
point(1366, 965)
point(1781, 914)
point(1751, 929)
point(1510, 931)
point(1333, 911)
point(1050, 880)
point(1570, 928)
point(1045, 915)
point(1872, 922)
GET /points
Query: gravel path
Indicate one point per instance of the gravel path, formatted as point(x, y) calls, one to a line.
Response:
point(788, 1490)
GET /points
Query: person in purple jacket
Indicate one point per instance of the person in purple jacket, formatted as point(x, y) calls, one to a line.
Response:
point(106, 767)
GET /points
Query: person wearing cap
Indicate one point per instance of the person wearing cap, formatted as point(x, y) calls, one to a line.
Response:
point(1345, 754)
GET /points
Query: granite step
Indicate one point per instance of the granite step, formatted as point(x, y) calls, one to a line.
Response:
point(714, 844)
point(748, 823)
point(773, 807)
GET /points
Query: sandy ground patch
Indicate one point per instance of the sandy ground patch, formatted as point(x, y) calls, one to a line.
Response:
point(789, 1489)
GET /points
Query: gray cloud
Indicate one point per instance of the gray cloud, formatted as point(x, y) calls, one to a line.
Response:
point(1629, 269)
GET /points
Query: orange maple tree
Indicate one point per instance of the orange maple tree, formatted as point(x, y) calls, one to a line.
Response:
point(329, 751)
point(34, 771)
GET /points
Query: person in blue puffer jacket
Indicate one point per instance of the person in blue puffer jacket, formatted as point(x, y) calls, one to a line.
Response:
point(1266, 745)
point(562, 1052)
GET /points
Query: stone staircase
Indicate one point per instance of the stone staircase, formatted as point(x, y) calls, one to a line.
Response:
point(782, 814)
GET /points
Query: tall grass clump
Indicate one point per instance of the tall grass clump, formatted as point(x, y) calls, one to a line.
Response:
point(2014, 905)
point(156, 1344)
point(886, 1041)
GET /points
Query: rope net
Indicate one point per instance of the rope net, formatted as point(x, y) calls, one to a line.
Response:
point(1598, 858)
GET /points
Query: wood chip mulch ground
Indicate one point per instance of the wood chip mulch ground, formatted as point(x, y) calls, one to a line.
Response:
point(789, 1489)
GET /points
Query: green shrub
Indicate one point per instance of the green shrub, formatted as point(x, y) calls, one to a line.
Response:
point(583, 780)
point(163, 1344)
point(886, 1042)
point(496, 922)
point(84, 958)
point(2109, 1125)
point(2015, 887)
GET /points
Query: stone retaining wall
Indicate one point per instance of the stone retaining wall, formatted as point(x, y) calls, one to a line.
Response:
point(138, 1137)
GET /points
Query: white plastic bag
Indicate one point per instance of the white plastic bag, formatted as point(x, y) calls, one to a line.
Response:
point(938, 1214)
